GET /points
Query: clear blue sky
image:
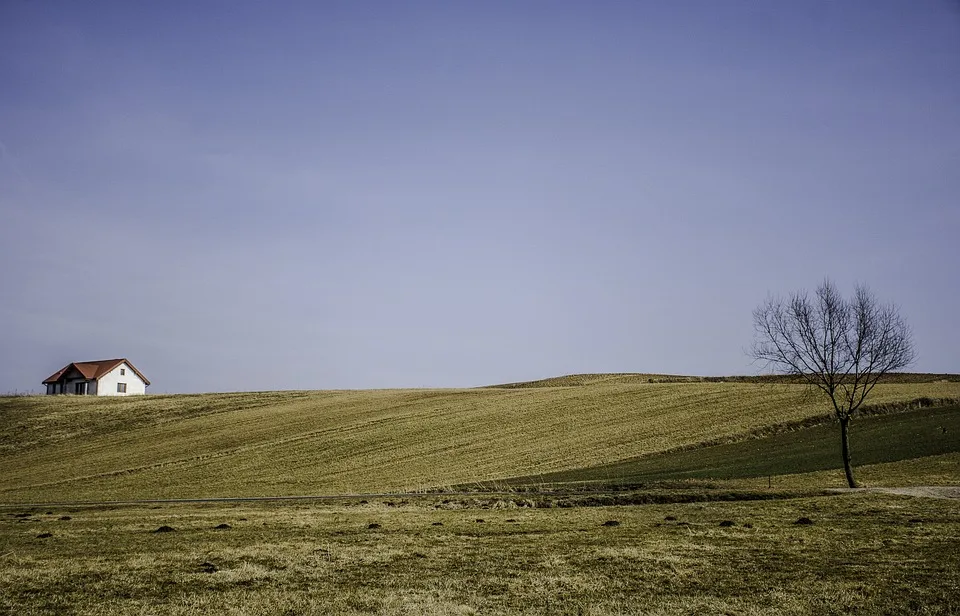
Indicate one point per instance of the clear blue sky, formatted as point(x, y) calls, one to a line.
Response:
point(241, 195)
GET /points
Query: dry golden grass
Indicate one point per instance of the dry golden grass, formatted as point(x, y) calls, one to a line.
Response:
point(331, 442)
point(863, 554)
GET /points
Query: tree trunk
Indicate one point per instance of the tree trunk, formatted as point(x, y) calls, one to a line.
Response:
point(845, 448)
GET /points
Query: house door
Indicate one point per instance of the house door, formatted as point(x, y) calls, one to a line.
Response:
point(80, 388)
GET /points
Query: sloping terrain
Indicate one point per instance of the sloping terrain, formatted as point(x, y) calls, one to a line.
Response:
point(328, 442)
point(874, 440)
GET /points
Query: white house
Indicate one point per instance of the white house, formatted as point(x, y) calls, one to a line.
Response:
point(106, 377)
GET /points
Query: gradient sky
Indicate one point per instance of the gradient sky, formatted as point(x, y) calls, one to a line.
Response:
point(304, 195)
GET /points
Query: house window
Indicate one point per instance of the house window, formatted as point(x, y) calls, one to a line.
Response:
point(80, 388)
point(121, 388)
point(123, 371)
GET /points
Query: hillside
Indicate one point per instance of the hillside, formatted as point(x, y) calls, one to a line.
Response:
point(929, 432)
point(326, 442)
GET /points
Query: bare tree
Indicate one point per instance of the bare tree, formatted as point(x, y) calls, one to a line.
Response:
point(842, 347)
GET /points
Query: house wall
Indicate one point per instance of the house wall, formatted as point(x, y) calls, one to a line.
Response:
point(69, 386)
point(60, 387)
point(108, 382)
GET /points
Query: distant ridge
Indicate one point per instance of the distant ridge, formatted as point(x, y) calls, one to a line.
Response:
point(636, 378)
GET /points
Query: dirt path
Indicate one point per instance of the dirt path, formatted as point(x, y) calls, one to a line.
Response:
point(948, 492)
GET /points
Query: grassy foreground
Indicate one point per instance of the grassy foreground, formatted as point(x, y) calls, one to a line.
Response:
point(276, 443)
point(864, 554)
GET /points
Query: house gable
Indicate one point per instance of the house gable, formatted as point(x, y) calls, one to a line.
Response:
point(121, 380)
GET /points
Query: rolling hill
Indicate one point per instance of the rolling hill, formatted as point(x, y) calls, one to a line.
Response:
point(329, 442)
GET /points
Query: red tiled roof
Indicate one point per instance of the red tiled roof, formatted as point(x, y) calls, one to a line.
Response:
point(93, 369)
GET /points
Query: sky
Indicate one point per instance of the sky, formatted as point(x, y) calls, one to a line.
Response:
point(316, 195)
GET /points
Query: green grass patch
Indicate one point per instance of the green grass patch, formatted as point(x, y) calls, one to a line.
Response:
point(874, 440)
